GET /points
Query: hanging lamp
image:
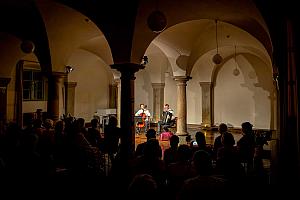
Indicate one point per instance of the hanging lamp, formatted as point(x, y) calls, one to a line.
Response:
point(27, 46)
point(217, 58)
point(236, 71)
point(157, 20)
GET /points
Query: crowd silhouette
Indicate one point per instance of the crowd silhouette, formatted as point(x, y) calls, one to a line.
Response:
point(68, 149)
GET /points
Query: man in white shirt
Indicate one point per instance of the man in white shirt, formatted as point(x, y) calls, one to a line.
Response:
point(144, 113)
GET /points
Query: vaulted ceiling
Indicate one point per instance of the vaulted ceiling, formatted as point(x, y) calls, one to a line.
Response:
point(117, 31)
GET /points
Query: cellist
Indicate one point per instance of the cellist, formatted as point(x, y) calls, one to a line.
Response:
point(144, 113)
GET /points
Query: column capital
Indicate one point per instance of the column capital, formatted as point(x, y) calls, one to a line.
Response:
point(59, 74)
point(127, 67)
point(117, 81)
point(182, 79)
point(4, 82)
point(71, 84)
point(158, 85)
point(203, 84)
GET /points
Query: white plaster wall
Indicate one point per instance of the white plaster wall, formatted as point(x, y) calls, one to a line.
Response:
point(171, 93)
point(243, 97)
point(233, 103)
point(154, 72)
point(143, 91)
point(194, 99)
point(93, 78)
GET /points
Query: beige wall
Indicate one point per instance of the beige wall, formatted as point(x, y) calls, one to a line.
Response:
point(244, 97)
point(171, 93)
point(194, 99)
point(143, 91)
point(93, 78)
point(32, 106)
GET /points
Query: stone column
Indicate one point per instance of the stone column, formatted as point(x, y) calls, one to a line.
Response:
point(207, 102)
point(289, 137)
point(113, 92)
point(158, 100)
point(118, 82)
point(70, 97)
point(181, 105)
point(55, 81)
point(127, 108)
point(3, 100)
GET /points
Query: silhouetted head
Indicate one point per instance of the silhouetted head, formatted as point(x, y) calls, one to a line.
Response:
point(59, 126)
point(184, 152)
point(223, 128)
point(151, 133)
point(81, 122)
point(174, 141)
point(48, 123)
point(113, 121)
point(200, 139)
point(247, 127)
point(142, 186)
point(202, 162)
point(152, 149)
point(94, 123)
point(227, 139)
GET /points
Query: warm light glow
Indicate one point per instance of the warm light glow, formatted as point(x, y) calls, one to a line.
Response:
point(69, 69)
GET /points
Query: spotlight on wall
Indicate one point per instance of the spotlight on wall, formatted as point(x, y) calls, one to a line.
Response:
point(68, 69)
point(144, 60)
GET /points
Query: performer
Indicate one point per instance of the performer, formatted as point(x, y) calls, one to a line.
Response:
point(144, 113)
point(168, 118)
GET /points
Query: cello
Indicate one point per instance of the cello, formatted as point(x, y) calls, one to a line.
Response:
point(141, 123)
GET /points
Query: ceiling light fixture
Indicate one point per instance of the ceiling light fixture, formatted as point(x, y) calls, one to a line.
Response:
point(157, 20)
point(27, 46)
point(236, 71)
point(217, 58)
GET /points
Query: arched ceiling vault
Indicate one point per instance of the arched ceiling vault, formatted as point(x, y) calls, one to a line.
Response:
point(22, 19)
point(187, 42)
point(240, 14)
point(124, 24)
point(69, 30)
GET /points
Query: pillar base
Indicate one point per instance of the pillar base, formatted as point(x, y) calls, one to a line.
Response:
point(206, 125)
